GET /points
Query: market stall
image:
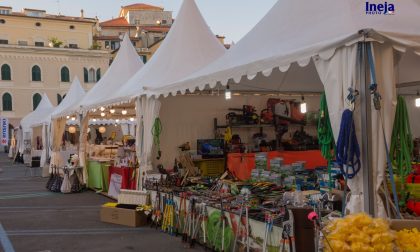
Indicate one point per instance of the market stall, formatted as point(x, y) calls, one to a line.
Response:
point(105, 135)
point(36, 145)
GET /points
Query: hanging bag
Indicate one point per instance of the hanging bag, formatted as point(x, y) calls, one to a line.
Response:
point(75, 183)
point(65, 185)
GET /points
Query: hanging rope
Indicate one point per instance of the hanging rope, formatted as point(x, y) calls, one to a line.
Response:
point(348, 150)
point(402, 145)
point(156, 131)
point(325, 135)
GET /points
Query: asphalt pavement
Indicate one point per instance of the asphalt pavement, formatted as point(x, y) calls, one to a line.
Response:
point(34, 219)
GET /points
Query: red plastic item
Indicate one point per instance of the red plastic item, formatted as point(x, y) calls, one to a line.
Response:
point(414, 205)
point(413, 179)
point(416, 168)
point(128, 182)
point(241, 164)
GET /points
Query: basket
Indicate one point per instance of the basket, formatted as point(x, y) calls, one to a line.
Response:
point(211, 168)
point(132, 197)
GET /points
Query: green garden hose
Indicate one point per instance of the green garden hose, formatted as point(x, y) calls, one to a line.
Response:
point(402, 146)
point(325, 135)
point(156, 131)
point(214, 233)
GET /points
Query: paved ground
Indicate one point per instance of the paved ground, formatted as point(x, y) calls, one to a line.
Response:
point(33, 219)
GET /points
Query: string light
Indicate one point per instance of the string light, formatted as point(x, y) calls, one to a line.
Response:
point(228, 93)
point(94, 110)
point(73, 118)
point(303, 108)
point(68, 117)
point(102, 114)
point(102, 109)
point(124, 112)
point(112, 111)
point(117, 120)
point(94, 119)
point(132, 119)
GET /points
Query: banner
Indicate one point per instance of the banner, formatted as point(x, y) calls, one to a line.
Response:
point(4, 141)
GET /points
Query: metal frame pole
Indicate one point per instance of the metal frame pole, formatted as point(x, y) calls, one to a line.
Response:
point(366, 123)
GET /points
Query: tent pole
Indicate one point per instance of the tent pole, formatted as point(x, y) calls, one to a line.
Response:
point(366, 117)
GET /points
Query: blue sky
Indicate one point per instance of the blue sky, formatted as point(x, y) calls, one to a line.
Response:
point(231, 18)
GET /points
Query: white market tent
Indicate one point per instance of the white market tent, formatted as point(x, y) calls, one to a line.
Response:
point(39, 117)
point(125, 65)
point(189, 46)
point(308, 47)
point(74, 95)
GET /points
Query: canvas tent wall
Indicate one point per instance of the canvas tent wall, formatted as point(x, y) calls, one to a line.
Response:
point(306, 37)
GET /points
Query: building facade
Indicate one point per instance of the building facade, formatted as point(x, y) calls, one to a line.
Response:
point(41, 53)
point(145, 24)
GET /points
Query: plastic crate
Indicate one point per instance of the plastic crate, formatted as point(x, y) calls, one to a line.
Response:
point(211, 168)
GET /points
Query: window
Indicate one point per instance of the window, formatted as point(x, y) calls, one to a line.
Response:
point(98, 74)
point(41, 44)
point(7, 102)
point(85, 75)
point(143, 58)
point(2, 21)
point(22, 43)
point(6, 73)
point(59, 99)
point(164, 21)
point(65, 74)
point(36, 73)
point(91, 75)
point(74, 46)
point(36, 99)
point(115, 45)
point(38, 24)
point(156, 39)
point(4, 12)
point(4, 41)
point(71, 27)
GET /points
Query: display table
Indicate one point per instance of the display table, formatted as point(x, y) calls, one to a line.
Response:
point(98, 174)
point(127, 174)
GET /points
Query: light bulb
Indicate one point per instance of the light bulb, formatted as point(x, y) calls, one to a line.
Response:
point(112, 111)
point(68, 117)
point(303, 108)
point(73, 118)
point(228, 93)
point(124, 112)
point(102, 114)
point(132, 119)
point(418, 102)
point(94, 119)
point(117, 120)
point(102, 109)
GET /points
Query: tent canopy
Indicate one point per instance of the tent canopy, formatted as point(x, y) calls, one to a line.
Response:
point(293, 32)
point(189, 46)
point(74, 95)
point(126, 63)
point(40, 116)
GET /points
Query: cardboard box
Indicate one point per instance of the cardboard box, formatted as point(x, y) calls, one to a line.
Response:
point(398, 225)
point(122, 216)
